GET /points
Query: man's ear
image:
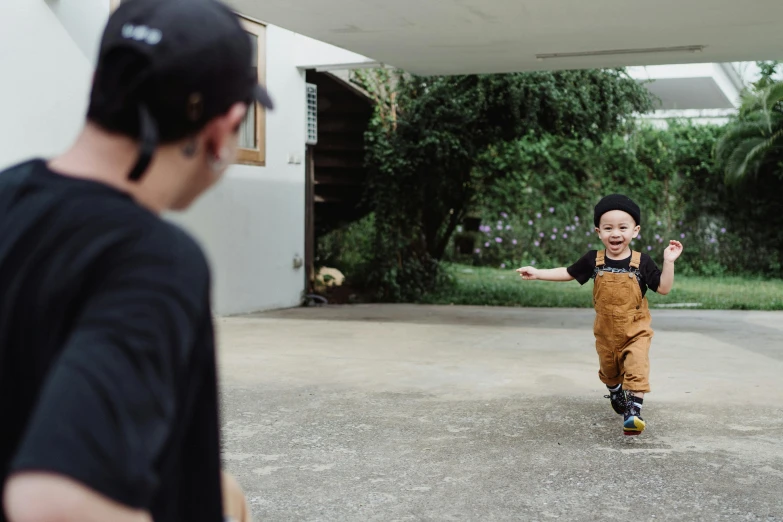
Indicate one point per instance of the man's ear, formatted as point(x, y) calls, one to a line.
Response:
point(224, 127)
point(235, 115)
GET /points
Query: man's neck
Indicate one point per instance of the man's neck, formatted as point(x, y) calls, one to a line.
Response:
point(108, 158)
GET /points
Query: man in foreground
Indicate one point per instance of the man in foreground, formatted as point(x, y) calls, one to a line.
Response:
point(108, 390)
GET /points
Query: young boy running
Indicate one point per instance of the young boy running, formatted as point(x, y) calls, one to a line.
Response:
point(622, 326)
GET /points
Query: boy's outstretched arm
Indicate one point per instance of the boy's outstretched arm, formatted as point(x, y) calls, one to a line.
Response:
point(552, 274)
point(670, 255)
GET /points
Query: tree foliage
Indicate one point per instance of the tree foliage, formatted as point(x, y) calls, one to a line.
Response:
point(429, 134)
point(753, 143)
point(553, 182)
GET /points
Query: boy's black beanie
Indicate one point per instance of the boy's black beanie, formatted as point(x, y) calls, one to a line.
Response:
point(617, 202)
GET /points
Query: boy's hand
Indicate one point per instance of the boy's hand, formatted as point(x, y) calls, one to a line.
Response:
point(528, 272)
point(673, 251)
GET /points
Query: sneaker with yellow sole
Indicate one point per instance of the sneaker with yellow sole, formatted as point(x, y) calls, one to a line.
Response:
point(633, 424)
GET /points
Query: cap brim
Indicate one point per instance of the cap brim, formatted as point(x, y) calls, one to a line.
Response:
point(262, 97)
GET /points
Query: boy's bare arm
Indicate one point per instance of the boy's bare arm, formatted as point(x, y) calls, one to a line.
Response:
point(551, 274)
point(667, 278)
point(670, 255)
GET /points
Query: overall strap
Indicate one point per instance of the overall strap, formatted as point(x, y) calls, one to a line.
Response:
point(600, 258)
point(636, 258)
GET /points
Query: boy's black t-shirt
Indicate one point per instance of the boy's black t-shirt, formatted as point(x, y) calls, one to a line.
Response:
point(649, 273)
point(107, 359)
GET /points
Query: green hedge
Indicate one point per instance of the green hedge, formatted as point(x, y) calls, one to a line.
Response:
point(541, 210)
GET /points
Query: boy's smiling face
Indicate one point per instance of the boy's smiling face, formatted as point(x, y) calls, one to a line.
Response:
point(616, 230)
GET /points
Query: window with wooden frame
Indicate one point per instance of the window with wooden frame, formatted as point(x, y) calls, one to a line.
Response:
point(252, 133)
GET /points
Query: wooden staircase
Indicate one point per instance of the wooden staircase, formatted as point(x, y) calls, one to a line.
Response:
point(339, 173)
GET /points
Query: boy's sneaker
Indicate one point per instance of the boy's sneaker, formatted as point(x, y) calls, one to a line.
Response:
point(633, 424)
point(619, 400)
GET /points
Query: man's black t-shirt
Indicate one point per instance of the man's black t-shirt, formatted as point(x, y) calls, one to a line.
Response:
point(107, 360)
point(649, 273)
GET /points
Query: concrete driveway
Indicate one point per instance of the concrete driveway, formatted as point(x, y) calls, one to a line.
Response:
point(468, 413)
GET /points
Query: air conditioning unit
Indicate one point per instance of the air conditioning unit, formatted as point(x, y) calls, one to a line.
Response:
point(311, 132)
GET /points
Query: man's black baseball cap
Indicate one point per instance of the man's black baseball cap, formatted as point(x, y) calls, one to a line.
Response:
point(167, 67)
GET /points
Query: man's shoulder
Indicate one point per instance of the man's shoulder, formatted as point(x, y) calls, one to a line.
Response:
point(15, 173)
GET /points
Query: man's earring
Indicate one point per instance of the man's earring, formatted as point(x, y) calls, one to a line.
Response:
point(219, 162)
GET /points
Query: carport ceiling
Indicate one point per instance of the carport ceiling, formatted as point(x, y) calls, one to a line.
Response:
point(484, 36)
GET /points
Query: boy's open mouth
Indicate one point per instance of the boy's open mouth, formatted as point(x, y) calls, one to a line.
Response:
point(616, 242)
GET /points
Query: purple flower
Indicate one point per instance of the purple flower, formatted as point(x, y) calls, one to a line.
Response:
point(503, 215)
point(589, 245)
point(498, 240)
point(680, 222)
point(500, 227)
point(533, 263)
point(649, 248)
point(565, 236)
point(660, 240)
point(554, 230)
point(530, 222)
point(508, 227)
point(551, 210)
point(536, 243)
point(502, 265)
point(486, 244)
point(722, 230)
point(485, 229)
point(713, 240)
point(587, 233)
point(659, 223)
point(478, 250)
point(513, 241)
point(682, 236)
point(639, 236)
point(538, 215)
point(576, 218)
point(657, 236)
point(540, 234)
point(500, 223)
point(554, 237)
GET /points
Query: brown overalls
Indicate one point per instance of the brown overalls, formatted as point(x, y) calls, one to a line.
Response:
point(622, 327)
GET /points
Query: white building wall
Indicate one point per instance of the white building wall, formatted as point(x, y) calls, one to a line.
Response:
point(44, 80)
point(252, 224)
point(79, 19)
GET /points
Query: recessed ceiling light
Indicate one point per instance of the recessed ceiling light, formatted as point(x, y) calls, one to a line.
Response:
point(616, 52)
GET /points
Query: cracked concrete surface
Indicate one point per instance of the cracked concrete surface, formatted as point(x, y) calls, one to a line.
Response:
point(403, 412)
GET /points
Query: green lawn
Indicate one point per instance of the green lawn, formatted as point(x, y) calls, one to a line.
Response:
point(494, 287)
